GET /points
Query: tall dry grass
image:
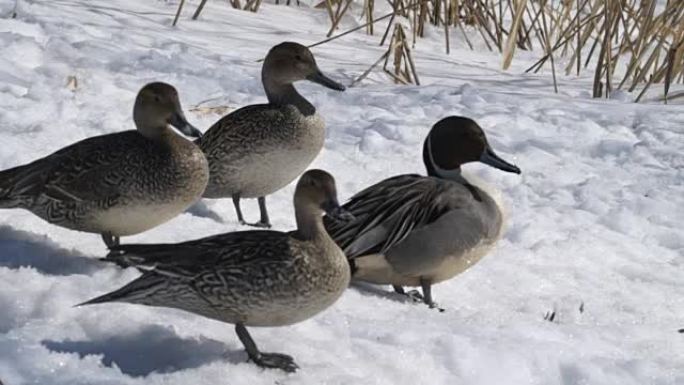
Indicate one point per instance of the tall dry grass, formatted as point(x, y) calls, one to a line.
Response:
point(629, 45)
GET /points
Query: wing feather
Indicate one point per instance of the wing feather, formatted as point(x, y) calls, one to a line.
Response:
point(387, 212)
point(190, 259)
point(89, 170)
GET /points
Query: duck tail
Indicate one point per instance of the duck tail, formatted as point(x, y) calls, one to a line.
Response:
point(8, 184)
point(136, 291)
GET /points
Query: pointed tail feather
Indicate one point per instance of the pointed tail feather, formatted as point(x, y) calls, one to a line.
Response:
point(6, 182)
point(137, 291)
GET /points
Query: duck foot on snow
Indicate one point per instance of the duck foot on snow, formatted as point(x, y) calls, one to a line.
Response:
point(276, 361)
point(416, 296)
point(260, 224)
point(263, 223)
point(264, 360)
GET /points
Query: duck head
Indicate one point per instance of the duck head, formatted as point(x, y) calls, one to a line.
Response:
point(156, 107)
point(289, 62)
point(457, 140)
point(316, 192)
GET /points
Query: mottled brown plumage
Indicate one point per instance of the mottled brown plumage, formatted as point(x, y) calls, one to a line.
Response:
point(259, 149)
point(247, 278)
point(116, 184)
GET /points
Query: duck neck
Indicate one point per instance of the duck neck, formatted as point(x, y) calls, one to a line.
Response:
point(309, 222)
point(280, 95)
point(148, 128)
point(155, 133)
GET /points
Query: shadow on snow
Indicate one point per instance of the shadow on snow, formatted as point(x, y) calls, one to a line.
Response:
point(21, 248)
point(152, 349)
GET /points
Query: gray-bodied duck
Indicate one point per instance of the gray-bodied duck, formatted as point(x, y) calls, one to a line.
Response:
point(247, 278)
point(414, 230)
point(116, 184)
point(259, 149)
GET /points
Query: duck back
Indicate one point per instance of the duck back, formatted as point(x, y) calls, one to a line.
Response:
point(259, 149)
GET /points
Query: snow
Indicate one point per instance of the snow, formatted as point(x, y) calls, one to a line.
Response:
point(594, 221)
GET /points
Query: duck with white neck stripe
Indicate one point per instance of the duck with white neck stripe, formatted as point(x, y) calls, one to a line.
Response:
point(414, 230)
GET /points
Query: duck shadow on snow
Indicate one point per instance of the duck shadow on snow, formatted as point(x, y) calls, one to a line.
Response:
point(200, 209)
point(21, 248)
point(153, 349)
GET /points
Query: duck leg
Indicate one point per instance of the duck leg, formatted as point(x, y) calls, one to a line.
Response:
point(238, 211)
point(263, 222)
point(110, 240)
point(426, 287)
point(264, 360)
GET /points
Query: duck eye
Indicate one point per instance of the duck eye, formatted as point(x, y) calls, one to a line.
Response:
point(298, 57)
point(157, 99)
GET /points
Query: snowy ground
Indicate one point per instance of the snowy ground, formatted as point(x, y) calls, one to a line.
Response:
point(595, 218)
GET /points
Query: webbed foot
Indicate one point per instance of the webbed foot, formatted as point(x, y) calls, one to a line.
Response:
point(276, 361)
point(260, 224)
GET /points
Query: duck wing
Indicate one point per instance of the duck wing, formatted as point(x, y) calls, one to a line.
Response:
point(199, 275)
point(387, 212)
point(240, 127)
point(93, 169)
point(190, 259)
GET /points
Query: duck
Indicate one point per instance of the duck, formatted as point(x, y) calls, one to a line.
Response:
point(418, 230)
point(116, 184)
point(260, 278)
point(258, 149)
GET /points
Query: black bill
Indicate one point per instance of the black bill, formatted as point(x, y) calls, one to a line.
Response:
point(325, 81)
point(490, 158)
point(178, 120)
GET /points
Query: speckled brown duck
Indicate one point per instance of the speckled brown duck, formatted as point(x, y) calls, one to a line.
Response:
point(259, 149)
point(116, 184)
point(247, 278)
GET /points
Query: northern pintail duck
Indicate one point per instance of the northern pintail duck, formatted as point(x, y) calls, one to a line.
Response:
point(116, 184)
point(413, 230)
point(259, 149)
point(247, 278)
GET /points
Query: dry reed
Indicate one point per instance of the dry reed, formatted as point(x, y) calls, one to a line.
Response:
point(629, 44)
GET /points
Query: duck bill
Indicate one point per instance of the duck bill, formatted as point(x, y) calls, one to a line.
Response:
point(336, 212)
point(320, 78)
point(490, 158)
point(181, 124)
